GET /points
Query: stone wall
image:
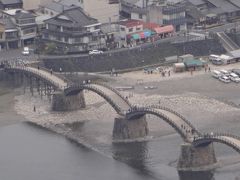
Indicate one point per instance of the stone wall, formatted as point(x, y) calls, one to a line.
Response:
point(131, 58)
point(196, 158)
point(235, 37)
point(130, 129)
point(61, 102)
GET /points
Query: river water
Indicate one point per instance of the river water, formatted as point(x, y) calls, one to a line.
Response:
point(31, 152)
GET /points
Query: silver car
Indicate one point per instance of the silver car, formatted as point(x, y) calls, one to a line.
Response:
point(225, 79)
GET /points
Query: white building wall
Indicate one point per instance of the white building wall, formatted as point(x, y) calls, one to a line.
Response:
point(138, 17)
point(101, 10)
point(33, 4)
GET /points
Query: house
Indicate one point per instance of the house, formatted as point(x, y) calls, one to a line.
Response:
point(210, 12)
point(102, 10)
point(159, 12)
point(25, 23)
point(9, 38)
point(10, 4)
point(132, 32)
point(175, 14)
point(54, 8)
point(72, 31)
point(33, 4)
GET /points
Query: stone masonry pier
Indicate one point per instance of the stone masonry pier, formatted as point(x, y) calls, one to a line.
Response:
point(197, 158)
point(61, 102)
point(130, 129)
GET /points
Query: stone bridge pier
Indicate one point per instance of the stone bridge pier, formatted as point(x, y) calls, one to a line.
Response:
point(61, 102)
point(197, 158)
point(130, 128)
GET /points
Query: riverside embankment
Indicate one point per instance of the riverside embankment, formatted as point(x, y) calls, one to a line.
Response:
point(147, 54)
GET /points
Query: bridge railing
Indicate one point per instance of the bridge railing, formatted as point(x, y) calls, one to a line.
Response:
point(35, 72)
point(55, 74)
point(216, 134)
point(114, 90)
point(209, 137)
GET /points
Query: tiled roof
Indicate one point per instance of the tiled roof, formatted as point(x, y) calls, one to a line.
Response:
point(224, 5)
point(8, 23)
point(131, 23)
point(10, 1)
point(73, 17)
point(57, 6)
point(197, 2)
point(23, 15)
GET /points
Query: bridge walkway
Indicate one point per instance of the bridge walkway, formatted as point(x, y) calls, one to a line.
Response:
point(183, 127)
point(46, 75)
point(230, 140)
point(120, 101)
point(186, 129)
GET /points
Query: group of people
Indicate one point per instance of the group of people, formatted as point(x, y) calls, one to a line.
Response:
point(166, 72)
point(188, 131)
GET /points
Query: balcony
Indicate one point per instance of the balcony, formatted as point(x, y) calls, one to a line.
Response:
point(11, 38)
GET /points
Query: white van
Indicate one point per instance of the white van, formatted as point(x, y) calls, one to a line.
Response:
point(216, 74)
point(25, 51)
point(213, 57)
point(225, 72)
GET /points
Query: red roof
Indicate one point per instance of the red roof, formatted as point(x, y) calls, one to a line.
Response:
point(131, 23)
point(164, 29)
point(150, 26)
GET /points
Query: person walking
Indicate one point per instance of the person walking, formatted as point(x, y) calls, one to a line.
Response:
point(51, 71)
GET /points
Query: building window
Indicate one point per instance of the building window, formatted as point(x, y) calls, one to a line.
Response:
point(28, 31)
point(138, 28)
point(130, 29)
point(140, 16)
point(122, 29)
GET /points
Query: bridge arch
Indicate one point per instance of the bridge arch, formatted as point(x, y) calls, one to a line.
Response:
point(119, 108)
point(183, 127)
point(42, 74)
point(227, 139)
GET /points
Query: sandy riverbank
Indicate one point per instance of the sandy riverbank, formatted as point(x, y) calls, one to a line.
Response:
point(8, 115)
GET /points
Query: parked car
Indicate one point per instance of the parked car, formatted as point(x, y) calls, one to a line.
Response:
point(225, 72)
point(25, 51)
point(236, 71)
point(234, 77)
point(217, 61)
point(95, 52)
point(216, 74)
point(224, 79)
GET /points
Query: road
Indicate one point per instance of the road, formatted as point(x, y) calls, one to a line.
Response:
point(16, 54)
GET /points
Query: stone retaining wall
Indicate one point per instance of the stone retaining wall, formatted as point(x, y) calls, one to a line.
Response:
point(132, 58)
